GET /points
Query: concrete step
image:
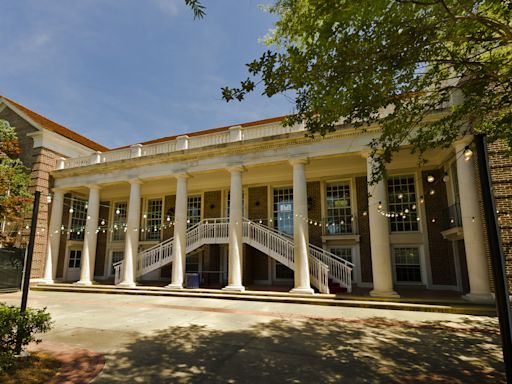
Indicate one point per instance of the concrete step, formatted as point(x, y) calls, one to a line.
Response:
point(282, 297)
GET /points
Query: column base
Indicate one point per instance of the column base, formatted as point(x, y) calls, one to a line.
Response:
point(174, 286)
point(83, 282)
point(122, 284)
point(302, 291)
point(390, 294)
point(234, 288)
point(479, 298)
point(42, 281)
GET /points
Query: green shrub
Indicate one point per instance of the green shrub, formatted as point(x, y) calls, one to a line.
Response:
point(19, 327)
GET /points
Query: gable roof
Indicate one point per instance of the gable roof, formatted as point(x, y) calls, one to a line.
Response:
point(53, 126)
point(211, 130)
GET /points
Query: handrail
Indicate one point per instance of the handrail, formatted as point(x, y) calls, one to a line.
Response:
point(323, 264)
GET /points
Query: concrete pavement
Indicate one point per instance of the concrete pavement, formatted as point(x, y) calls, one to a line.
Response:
point(151, 339)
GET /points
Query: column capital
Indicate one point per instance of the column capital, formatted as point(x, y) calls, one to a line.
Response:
point(135, 181)
point(93, 186)
point(463, 141)
point(59, 190)
point(182, 175)
point(299, 160)
point(236, 168)
point(367, 153)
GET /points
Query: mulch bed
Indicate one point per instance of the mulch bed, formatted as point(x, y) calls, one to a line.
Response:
point(55, 364)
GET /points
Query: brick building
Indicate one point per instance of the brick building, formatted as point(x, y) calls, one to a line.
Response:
point(261, 204)
point(42, 143)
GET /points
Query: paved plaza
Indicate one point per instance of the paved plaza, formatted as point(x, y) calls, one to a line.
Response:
point(146, 339)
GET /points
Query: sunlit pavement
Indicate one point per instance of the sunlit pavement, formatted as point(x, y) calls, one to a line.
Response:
point(151, 339)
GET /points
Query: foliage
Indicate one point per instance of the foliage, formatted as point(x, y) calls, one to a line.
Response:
point(16, 326)
point(393, 63)
point(197, 8)
point(14, 197)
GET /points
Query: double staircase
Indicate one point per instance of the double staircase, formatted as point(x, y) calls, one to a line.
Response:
point(326, 269)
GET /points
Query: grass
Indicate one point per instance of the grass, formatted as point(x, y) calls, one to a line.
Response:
point(39, 367)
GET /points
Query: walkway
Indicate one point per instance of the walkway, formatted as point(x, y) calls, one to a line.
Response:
point(196, 340)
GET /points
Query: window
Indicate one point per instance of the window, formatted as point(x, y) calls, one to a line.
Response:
point(193, 210)
point(117, 256)
point(343, 252)
point(402, 204)
point(120, 212)
point(78, 219)
point(407, 264)
point(339, 210)
point(283, 210)
point(74, 258)
point(153, 220)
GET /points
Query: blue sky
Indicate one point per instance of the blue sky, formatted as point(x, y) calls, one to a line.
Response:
point(125, 71)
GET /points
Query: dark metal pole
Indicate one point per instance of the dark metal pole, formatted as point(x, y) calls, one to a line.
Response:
point(497, 257)
point(30, 252)
point(28, 261)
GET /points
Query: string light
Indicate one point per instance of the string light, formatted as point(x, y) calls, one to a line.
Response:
point(430, 178)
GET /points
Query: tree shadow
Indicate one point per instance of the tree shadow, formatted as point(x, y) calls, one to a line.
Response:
point(314, 351)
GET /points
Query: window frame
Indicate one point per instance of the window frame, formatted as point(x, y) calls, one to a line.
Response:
point(417, 193)
point(114, 221)
point(274, 216)
point(71, 235)
point(351, 218)
point(421, 263)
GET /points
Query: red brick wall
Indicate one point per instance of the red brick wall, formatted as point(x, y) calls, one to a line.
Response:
point(364, 229)
point(500, 164)
point(40, 161)
point(212, 204)
point(101, 245)
point(442, 262)
point(315, 212)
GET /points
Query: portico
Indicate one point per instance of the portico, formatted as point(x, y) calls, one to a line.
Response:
point(288, 209)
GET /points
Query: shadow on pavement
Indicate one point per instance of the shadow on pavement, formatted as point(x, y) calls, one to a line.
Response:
point(374, 350)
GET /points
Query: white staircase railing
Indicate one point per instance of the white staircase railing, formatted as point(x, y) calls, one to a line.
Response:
point(322, 264)
point(340, 270)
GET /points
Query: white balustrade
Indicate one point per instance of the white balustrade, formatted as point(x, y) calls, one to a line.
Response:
point(119, 154)
point(322, 264)
point(236, 134)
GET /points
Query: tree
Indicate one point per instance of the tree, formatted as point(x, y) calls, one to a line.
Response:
point(14, 197)
point(391, 62)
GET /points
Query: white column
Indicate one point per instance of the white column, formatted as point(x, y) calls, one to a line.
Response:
point(300, 228)
point(180, 233)
point(90, 237)
point(379, 237)
point(131, 243)
point(53, 243)
point(235, 231)
point(472, 225)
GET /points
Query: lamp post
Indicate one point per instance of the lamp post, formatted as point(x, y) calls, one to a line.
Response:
point(28, 259)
